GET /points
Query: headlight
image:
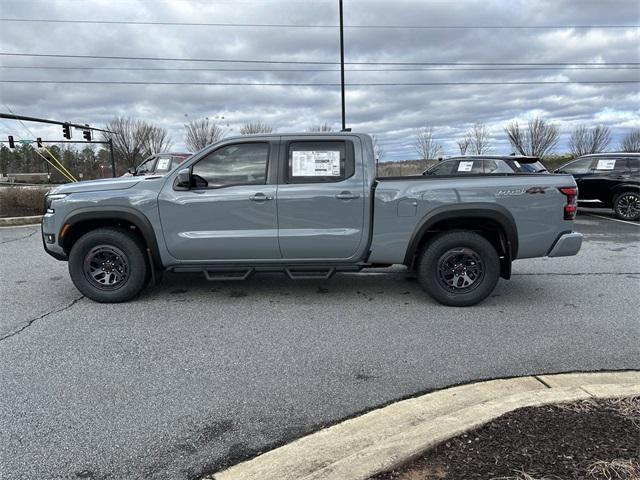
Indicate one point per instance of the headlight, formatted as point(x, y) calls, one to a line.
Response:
point(49, 199)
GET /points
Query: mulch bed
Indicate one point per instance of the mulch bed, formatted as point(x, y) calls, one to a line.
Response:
point(574, 441)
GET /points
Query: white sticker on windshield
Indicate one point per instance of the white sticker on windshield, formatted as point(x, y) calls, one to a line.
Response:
point(163, 164)
point(316, 163)
point(516, 163)
point(465, 166)
point(606, 165)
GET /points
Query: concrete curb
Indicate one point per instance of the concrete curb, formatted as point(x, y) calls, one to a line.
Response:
point(20, 221)
point(391, 436)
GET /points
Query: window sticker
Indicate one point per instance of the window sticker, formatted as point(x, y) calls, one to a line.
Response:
point(465, 166)
point(316, 163)
point(163, 163)
point(606, 165)
point(516, 163)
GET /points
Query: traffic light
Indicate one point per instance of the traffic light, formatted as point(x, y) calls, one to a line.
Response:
point(39, 142)
point(12, 144)
point(86, 134)
point(66, 130)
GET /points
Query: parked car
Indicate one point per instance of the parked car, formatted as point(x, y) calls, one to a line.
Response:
point(610, 178)
point(486, 164)
point(158, 164)
point(307, 205)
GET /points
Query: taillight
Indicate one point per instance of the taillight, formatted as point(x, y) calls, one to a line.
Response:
point(571, 208)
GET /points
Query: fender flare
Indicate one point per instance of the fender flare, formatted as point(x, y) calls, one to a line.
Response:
point(130, 215)
point(494, 212)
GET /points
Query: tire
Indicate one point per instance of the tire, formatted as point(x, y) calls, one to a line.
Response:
point(459, 268)
point(108, 265)
point(626, 205)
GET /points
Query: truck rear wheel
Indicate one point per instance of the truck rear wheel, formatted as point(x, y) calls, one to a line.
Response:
point(108, 265)
point(459, 268)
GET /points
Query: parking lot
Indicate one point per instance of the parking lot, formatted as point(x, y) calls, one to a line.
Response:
point(196, 375)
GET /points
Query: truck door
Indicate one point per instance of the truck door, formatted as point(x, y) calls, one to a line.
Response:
point(320, 199)
point(229, 212)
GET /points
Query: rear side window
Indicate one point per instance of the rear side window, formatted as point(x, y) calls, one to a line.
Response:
point(534, 167)
point(237, 164)
point(606, 166)
point(444, 168)
point(320, 161)
point(496, 166)
point(579, 166)
point(469, 167)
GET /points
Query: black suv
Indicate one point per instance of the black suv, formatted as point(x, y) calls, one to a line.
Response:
point(610, 178)
point(486, 165)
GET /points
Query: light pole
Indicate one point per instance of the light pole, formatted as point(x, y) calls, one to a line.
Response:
point(344, 126)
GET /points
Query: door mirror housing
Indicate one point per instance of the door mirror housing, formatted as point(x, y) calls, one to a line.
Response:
point(131, 170)
point(183, 180)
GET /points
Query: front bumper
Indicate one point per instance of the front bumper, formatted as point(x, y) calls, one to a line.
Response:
point(49, 227)
point(567, 245)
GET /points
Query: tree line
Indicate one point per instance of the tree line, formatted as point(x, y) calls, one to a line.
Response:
point(134, 140)
point(538, 138)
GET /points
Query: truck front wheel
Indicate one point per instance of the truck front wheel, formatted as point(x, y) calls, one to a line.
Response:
point(459, 268)
point(108, 265)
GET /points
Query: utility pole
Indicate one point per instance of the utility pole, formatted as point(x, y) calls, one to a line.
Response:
point(113, 162)
point(344, 126)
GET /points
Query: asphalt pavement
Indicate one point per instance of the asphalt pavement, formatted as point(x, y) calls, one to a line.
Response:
point(195, 375)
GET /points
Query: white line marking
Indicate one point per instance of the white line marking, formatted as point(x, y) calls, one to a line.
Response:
point(20, 226)
point(612, 219)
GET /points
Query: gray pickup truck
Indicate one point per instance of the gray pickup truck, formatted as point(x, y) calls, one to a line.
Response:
point(307, 205)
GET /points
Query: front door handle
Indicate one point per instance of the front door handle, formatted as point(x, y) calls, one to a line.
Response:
point(347, 196)
point(260, 197)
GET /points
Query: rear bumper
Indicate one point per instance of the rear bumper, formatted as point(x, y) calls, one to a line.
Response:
point(567, 245)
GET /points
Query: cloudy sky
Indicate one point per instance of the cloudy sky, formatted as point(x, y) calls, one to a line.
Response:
point(392, 112)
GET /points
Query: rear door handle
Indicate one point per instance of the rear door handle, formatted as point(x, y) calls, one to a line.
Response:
point(347, 196)
point(260, 197)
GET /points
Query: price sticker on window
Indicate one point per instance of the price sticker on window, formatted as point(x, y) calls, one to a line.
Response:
point(315, 163)
point(163, 163)
point(465, 166)
point(606, 165)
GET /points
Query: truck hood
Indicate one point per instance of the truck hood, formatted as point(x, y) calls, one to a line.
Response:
point(118, 183)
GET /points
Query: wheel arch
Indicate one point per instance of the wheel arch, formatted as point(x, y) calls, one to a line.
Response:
point(84, 220)
point(494, 222)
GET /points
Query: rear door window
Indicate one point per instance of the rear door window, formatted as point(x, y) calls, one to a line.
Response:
point(320, 161)
point(496, 166)
point(580, 166)
point(444, 168)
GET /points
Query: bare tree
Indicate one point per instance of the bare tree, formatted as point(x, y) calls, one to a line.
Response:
point(129, 139)
point(537, 140)
point(203, 132)
point(251, 128)
point(463, 144)
point(631, 141)
point(378, 149)
point(155, 139)
point(479, 139)
point(325, 127)
point(585, 140)
point(425, 145)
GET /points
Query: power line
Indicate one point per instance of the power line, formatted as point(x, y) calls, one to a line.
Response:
point(299, 62)
point(426, 69)
point(288, 25)
point(300, 84)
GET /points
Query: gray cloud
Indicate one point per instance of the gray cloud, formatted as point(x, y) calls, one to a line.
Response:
point(392, 113)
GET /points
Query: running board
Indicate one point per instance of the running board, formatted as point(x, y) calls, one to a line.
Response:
point(215, 275)
point(294, 272)
point(309, 274)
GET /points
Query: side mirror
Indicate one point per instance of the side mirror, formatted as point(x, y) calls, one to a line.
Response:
point(183, 180)
point(131, 170)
